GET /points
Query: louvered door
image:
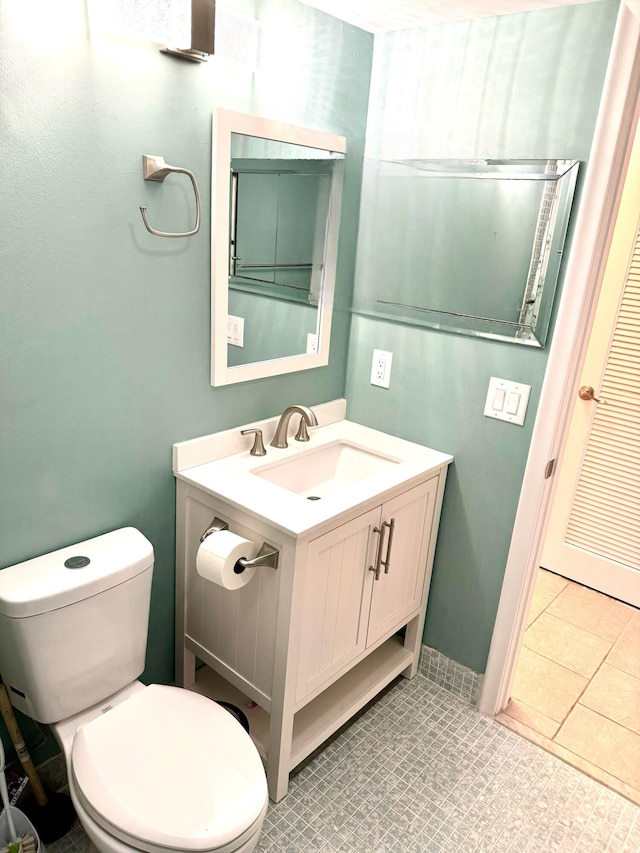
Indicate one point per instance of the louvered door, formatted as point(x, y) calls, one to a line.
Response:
point(594, 533)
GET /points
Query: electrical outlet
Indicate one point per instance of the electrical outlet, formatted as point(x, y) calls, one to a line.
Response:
point(381, 368)
point(312, 342)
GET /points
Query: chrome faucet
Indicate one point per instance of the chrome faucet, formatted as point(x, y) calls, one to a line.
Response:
point(308, 419)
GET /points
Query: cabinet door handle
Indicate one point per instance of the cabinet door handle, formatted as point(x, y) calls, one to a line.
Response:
point(391, 525)
point(376, 568)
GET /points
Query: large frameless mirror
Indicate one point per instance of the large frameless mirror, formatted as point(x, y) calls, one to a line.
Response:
point(276, 211)
point(472, 247)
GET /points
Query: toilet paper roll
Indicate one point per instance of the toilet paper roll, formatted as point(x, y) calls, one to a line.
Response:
point(217, 559)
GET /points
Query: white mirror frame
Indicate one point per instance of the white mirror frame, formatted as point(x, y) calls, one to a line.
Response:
point(226, 122)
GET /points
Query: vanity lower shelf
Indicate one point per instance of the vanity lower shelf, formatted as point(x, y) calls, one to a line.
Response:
point(321, 717)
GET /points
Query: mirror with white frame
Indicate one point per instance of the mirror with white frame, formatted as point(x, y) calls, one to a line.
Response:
point(276, 196)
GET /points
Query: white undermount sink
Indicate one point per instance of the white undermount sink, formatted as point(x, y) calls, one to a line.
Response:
point(345, 464)
point(320, 471)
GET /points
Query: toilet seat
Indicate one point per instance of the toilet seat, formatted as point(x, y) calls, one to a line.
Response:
point(168, 768)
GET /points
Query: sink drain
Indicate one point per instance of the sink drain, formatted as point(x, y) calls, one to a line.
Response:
point(313, 497)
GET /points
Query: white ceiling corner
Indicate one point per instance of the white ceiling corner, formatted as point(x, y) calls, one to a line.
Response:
point(380, 16)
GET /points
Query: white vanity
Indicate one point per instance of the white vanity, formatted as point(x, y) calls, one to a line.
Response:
point(301, 648)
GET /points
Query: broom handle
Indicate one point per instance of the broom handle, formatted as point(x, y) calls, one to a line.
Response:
point(6, 708)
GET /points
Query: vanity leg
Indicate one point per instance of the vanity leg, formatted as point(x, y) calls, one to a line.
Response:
point(279, 758)
point(185, 668)
point(284, 678)
point(185, 661)
point(414, 629)
point(413, 642)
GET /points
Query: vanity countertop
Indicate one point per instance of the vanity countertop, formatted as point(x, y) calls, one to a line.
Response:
point(238, 479)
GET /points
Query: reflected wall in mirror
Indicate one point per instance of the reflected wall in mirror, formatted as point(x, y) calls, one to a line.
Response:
point(276, 194)
point(472, 247)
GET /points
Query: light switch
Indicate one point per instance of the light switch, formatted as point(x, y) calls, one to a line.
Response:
point(498, 400)
point(513, 401)
point(507, 400)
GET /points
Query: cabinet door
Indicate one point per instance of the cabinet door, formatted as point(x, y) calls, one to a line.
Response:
point(335, 602)
point(397, 593)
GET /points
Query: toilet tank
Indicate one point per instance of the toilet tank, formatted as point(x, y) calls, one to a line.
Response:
point(73, 624)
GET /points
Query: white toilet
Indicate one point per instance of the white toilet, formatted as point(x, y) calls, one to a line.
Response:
point(152, 768)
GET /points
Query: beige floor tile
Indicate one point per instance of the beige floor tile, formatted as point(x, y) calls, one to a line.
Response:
point(547, 587)
point(602, 742)
point(625, 654)
point(549, 583)
point(539, 603)
point(532, 718)
point(591, 610)
point(569, 757)
point(546, 686)
point(524, 731)
point(566, 644)
point(615, 694)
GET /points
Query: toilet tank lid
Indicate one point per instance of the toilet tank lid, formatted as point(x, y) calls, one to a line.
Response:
point(74, 573)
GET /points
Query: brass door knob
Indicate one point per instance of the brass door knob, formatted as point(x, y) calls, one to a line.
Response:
point(586, 392)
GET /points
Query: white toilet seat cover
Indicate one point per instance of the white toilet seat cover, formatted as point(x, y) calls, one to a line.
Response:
point(171, 768)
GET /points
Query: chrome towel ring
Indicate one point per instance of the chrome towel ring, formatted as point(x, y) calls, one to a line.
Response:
point(155, 169)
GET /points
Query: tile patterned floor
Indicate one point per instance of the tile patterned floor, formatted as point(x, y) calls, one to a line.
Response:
point(577, 689)
point(423, 772)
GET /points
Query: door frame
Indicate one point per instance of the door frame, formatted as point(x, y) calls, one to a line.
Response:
point(610, 151)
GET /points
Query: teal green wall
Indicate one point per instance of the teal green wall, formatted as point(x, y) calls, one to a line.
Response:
point(518, 86)
point(104, 328)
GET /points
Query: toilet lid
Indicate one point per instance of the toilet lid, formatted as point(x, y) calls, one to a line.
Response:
point(171, 768)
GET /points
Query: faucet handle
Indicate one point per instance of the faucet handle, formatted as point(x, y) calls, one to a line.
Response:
point(258, 444)
point(303, 433)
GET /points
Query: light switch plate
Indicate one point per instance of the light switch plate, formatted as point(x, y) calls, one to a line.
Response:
point(507, 400)
point(235, 330)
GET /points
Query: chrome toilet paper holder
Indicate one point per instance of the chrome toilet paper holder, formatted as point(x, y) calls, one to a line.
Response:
point(267, 557)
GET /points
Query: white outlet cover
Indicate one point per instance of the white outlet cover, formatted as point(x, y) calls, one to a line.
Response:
point(507, 400)
point(381, 368)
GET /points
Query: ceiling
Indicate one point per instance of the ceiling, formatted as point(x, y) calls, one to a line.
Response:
point(380, 16)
